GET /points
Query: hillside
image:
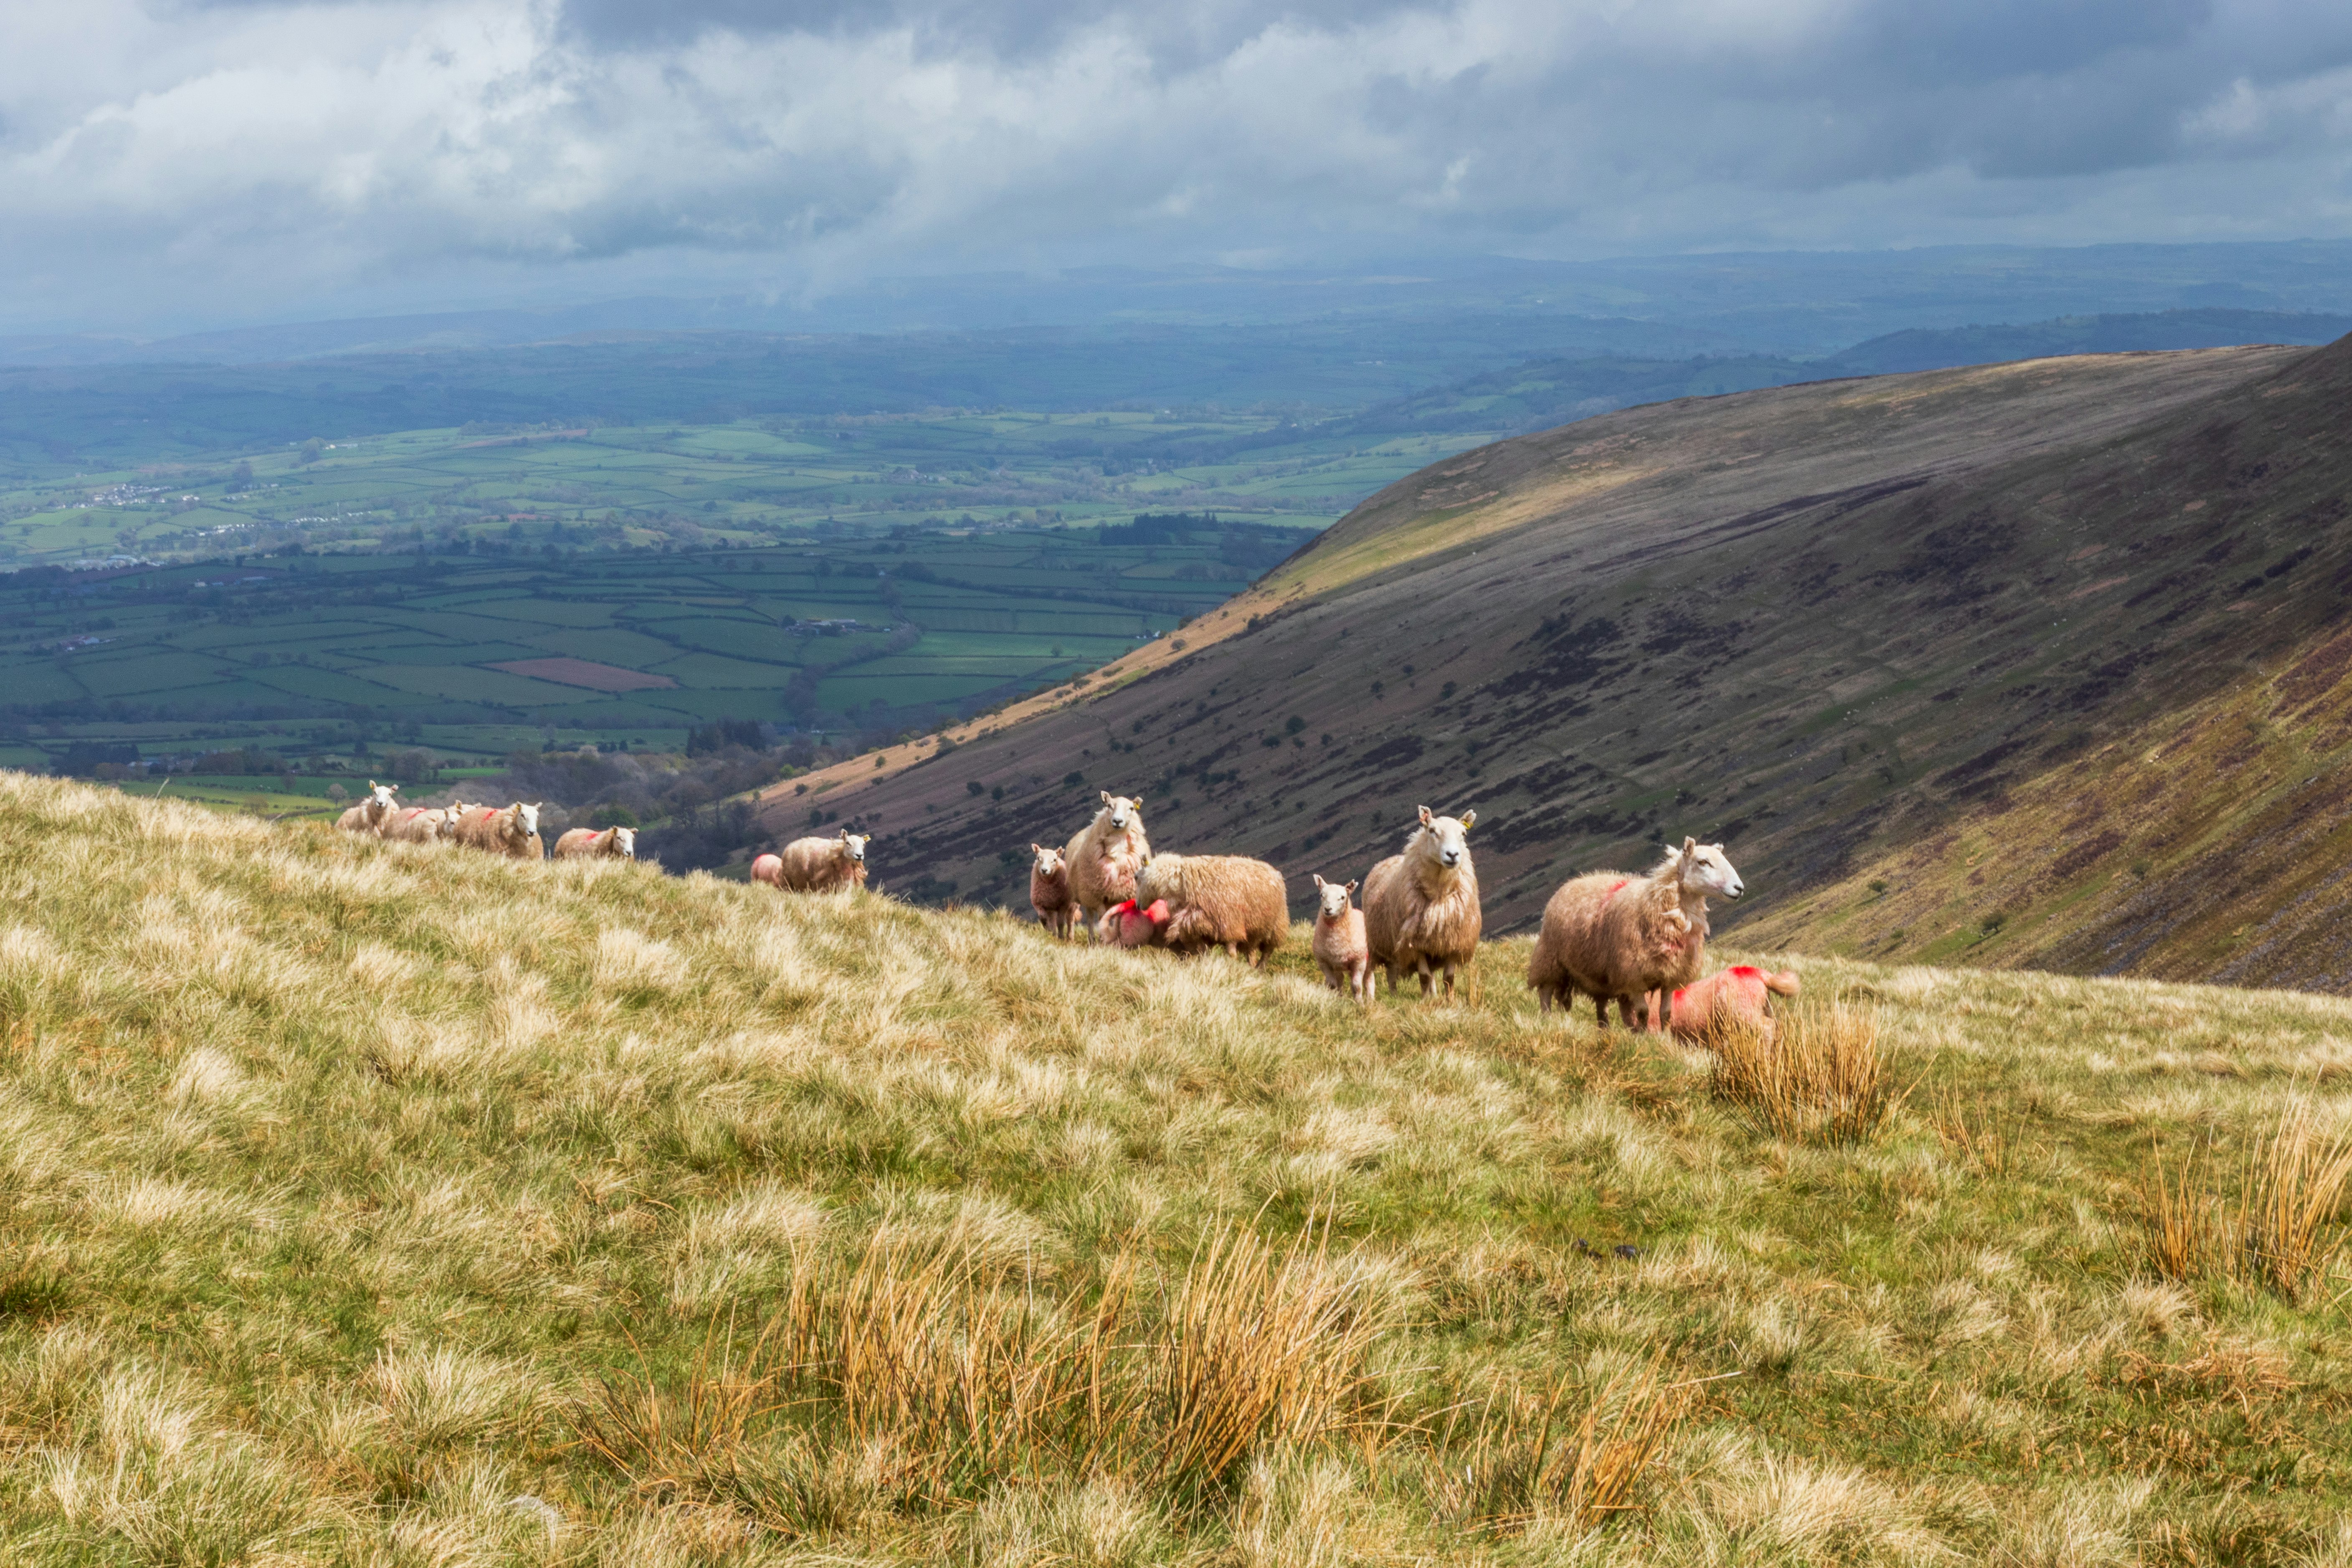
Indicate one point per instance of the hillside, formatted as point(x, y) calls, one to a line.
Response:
point(1816, 622)
point(366, 1202)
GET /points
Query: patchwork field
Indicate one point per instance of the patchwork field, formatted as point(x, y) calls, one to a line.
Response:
point(373, 1203)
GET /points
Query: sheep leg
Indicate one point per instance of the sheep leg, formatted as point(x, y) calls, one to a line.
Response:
point(1421, 968)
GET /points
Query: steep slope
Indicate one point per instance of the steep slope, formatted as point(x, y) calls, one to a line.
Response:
point(1815, 621)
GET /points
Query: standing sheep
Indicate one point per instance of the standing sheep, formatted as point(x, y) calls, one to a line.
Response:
point(371, 814)
point(1339, 949)
point(613, 844)
point(1218, 900)
point(423, 825)
point(1614, 936)
point(1049, 890)
point(1421, 908)
point(1105, 855)
point(816, 865)
point(511, 830)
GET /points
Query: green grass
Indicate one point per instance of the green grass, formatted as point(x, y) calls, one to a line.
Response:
point(354, 1192)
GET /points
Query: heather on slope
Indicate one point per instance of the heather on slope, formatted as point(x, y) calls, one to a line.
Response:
point(367, 1203)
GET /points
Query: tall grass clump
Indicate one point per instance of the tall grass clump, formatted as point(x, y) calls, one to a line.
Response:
point(2177, 1217)
point(1522, 1460)
point(1820, 1077)
point(2293, 1186)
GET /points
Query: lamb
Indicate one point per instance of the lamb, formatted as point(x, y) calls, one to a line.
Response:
point(1104, 855)
point(613, 844)
point(1733, 998)
point(1421, 908)
point(1126, 925)
point(1614, 936)
point(1339, 949)
point(370, 815)
point(511, 830)
point(1049, 892)
point(816, 865)
point(1218, 900)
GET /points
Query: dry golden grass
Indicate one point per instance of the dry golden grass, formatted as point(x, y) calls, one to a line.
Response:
point(2184, 1238)
point(2293, 1188)
point(1818, 1078)
point(367, 1204)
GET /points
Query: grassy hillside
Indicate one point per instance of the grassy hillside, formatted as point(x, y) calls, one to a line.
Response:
point(363, 1203)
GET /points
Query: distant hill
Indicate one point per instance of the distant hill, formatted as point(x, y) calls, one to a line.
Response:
point(2148, 332)
point(1823, 622)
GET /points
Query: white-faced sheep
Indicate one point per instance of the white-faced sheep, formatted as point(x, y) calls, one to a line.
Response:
point(511, 830)
point(371, 814)
point(611, 844)
point(1130, 924)
point(1340, 951)
point(1049, 890)
point(1734, 998)
point(1614, 936)
point(1105, 855)
point(423, 823)
point(1422, 914)
point(1218, 900)
point(816, 865)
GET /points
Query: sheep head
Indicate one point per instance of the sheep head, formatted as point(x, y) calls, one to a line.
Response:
point(1122, 810)
point(1448, 837)
point(1703, 870)
point(1333, 898)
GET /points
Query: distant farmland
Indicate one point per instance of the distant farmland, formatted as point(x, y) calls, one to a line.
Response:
point(464, 653)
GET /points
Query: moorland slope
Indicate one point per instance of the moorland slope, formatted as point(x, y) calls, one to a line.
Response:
point(1817, 621)
point(383, 1203)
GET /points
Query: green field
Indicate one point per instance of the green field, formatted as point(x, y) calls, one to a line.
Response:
point(303, 652)
point(744, 483)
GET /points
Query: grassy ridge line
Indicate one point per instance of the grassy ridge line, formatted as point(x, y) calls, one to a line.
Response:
point(369, 1165)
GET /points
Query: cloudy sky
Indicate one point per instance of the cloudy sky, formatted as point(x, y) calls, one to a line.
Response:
point(188, 162)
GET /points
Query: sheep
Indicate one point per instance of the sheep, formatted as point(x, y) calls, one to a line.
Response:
point(511, 830)
point(370, 815)
point(424, 825)
point(1421, 908)
point(1104, 855)
point(1126, 925)
point(613, 844)
point(816, 865)
point(1737, 997)
point(1610, 936)
point(1339, 949)
point(1049, 890)
point(1218, 900)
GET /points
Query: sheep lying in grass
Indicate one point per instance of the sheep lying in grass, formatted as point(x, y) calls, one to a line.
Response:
point(1614, 936)
point(423, 823)
point(1129, 925)
point(1218, 900)
point(611, 844)
point(511, 830)
point(1341, 952)
point(1104, 855)
point(371, 814)
point(1421, 908)
point(816, 865)
point(1049, 890)
point(1734, 998)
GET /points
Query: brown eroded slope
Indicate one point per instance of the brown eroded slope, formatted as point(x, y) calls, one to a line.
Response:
point(1820, 622)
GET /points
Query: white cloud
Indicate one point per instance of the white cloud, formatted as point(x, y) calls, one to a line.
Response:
point(222, 159)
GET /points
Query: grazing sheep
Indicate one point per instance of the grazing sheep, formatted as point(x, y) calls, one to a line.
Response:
point(423, 823)
point(1104, 855)
point(613, 844)
point(1341, 952)
point(370, 815)
point(818, 864)
point(1126, 925)
point(1421, 908)
point(1218, 900)
point(1049, 890)
point(511, 830)
point(1737, 997)
point(1614, 936)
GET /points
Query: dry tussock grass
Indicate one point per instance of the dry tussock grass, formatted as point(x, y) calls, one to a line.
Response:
point(369, 1203)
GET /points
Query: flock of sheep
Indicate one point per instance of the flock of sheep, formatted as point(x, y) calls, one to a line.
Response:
point(1637, 940)
point(511, 830)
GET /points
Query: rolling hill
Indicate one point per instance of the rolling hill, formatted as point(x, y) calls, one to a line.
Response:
point(1827, 624)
